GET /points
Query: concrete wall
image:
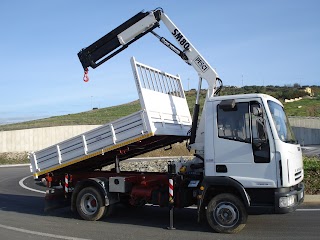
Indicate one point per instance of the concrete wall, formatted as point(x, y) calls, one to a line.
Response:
point(306, 122)
point(307, 136)
point(38, 138)
point(306, 130)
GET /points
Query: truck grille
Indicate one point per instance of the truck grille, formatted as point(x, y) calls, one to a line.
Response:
point(298, 175)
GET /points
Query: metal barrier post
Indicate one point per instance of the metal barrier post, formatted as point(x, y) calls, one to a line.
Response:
point(172, 172)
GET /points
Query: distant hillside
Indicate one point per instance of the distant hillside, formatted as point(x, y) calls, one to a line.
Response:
point(304, 107)
point(93, 117)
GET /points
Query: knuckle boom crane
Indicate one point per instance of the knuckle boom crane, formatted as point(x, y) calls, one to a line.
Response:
point(246, 157)
point(136, 27)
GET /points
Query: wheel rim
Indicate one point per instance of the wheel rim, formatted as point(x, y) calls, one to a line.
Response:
point(88, 204)
point(226, 214)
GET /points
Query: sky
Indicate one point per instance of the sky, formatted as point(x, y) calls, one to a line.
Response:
point(248, 42)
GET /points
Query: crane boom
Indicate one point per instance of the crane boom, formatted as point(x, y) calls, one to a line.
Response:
point(136, 27)
point(133, 29)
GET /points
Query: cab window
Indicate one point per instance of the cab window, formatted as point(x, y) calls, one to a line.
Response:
point(233, 124)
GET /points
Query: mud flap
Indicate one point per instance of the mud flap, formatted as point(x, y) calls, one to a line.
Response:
point(55, 199)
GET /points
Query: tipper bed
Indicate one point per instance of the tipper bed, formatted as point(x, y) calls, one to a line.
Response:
point(164, 119)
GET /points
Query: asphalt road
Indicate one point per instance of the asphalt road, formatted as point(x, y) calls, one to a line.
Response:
point(22, 217)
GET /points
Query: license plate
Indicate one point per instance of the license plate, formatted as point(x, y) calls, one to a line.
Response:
point(193, 183)
point(300, 195)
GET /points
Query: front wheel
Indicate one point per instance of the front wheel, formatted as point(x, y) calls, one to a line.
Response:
point(226, 213)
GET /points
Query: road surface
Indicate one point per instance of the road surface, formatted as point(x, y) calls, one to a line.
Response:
point(22, 217)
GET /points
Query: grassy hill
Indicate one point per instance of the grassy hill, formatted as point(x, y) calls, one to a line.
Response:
point(304, 107)
point(308, 107)
point(93, 117)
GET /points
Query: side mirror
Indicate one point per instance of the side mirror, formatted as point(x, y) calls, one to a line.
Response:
point(260, 129)
point(228, 105)
point(257, 111)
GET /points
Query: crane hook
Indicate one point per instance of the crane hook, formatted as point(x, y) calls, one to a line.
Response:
point(86, 75)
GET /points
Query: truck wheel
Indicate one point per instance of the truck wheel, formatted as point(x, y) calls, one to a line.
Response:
point(226, 213)
point(90, 205)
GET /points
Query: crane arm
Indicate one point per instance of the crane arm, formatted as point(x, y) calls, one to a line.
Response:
point(112, 43)
point(136, 27)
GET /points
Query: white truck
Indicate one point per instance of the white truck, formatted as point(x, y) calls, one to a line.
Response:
point(246, 160)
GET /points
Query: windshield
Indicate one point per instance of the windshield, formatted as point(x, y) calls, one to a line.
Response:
point(281, 123)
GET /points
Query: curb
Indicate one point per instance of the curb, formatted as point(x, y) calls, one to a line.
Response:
point(311, 199)
point(15, 165)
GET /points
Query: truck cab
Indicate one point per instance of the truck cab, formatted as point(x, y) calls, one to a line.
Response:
point(248, 140)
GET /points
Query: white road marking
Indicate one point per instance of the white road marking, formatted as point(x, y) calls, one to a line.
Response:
point(308, 209)
point(40, 233)
point(298, 210)
point(30, 189)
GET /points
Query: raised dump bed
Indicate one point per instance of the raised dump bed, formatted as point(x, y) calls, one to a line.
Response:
point(164, 119)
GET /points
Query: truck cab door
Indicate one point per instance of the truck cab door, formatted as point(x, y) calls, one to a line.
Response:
point(240, 143)
point(259, 136)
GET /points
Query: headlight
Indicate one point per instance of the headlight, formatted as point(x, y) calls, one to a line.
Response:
point(287, 201)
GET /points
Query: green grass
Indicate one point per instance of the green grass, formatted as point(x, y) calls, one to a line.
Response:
point(303, 108)
point(93, 117)
point(312, 175)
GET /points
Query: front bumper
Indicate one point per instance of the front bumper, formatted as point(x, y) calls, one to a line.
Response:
point(287, 200)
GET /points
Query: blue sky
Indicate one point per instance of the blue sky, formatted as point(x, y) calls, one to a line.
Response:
point(266, 42)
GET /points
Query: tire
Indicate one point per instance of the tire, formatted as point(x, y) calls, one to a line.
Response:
point(90, 204)
point(226, 214)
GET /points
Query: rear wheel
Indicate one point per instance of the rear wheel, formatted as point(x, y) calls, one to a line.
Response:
point(226, 213)
point(90, 204)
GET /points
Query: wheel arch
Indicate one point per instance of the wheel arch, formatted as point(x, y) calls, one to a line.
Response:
point(213, 186)
point(216, 185)
point(101, 184)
